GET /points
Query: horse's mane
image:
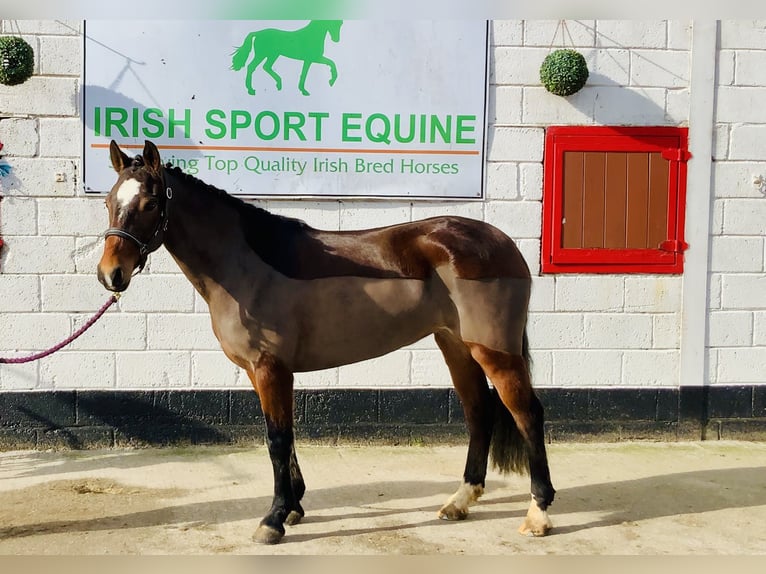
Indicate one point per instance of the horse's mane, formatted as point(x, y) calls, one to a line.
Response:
point(252, 215)
point(278, 240)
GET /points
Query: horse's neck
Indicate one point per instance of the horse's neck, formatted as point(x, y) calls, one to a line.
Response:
point(203, 234)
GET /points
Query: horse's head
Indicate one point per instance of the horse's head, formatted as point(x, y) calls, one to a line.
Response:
point(333, 27)
point(137, 215)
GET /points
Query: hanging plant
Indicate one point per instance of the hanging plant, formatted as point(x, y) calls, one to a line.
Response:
point(563, 72)
point(17, 60)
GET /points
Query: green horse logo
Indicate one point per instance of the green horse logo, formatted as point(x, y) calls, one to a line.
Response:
point(305, 44)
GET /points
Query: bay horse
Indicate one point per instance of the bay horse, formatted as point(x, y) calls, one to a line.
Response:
point(305, 44)
point(285, 297)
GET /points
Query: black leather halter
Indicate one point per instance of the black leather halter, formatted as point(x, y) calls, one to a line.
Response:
point(154, 242)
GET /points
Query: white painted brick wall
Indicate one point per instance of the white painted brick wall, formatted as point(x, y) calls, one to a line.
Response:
point(71, 293)
point(659, 68)
point(618, 331)
point(21, 293)
point(18, 216)
point(506, 32)
point(743, 291)
point(515, 144)
point(46, 96)
point(502, 180)
point(737, 302)
point(740, 104)
point(428, 369)
point(519, 219)
point(631, 33)
point(38, 254)
point(759, 328)
point(739, 366)
point(587, 368)
point(585, 330)
point(390, 371)
point(505, 105)
point(590, 293)
point(153, 369)
point(652, 294)
point(731, 329)
point(33, 331)
point(577, 33)
point(743, 34)
point(556, 330)
point(60, 137)
point(37, 177)
point(650, 368)
point(666, 333)
point(78, 370)
point(212, 369)
point(113, 331)
point(735, 179)
point(736, 254)
point(178, 332)
point(749, 70)
point(747, 141)
point(19, 136)
point(24, 377)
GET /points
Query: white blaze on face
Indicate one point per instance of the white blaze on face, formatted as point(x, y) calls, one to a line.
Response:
point(125, 194)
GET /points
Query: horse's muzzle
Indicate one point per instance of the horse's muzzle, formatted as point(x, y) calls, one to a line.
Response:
point(115, 281)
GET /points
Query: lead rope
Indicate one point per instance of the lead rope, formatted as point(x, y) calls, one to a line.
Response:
point(18, 360)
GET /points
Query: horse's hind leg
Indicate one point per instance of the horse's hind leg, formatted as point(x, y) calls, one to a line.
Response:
point(471, 386)
point(249, 75)
point(267, 66)
point(510, 377)
point(299, 488)
point(274, 384)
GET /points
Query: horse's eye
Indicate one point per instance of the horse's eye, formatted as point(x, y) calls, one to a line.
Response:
point(151, 205)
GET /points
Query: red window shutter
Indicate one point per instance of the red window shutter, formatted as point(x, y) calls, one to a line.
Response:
point(613, 199)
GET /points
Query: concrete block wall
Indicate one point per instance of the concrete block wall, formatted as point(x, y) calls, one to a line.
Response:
point(585, 330)
point(737, 329)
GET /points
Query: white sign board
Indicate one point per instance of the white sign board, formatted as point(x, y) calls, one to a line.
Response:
point(293, 108)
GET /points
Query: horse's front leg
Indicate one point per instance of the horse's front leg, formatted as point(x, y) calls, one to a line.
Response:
point(333, 70)
point(302, 80)
point(274, 384)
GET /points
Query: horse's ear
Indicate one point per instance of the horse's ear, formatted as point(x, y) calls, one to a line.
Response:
point(152, 159)
point(120, 159)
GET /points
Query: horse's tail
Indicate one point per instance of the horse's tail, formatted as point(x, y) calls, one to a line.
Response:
point(507, 450)
point(240, 55)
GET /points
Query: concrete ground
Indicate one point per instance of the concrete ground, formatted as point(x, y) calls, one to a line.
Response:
point(620, 498)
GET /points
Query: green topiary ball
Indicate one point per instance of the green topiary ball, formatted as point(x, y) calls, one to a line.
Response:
point(563, 72)
point(17, 60)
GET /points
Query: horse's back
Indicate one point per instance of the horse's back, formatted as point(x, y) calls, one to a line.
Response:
point(472, 249)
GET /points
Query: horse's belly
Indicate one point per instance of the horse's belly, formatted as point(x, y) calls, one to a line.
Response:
point(349, 319)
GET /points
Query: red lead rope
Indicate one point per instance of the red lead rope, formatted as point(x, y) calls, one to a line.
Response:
point(17, 360)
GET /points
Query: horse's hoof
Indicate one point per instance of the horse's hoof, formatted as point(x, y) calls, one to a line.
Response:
point(452, 512)
point(536, 522)
point(528, 528)
point(267, 535)
point(293, 518)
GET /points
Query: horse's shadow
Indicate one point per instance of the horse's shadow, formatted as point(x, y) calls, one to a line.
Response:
point(614, 503)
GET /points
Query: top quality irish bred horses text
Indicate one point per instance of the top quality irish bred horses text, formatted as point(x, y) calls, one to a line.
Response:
point(285, 297)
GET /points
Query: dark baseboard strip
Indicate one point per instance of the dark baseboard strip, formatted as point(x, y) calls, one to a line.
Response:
point(94, 419)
